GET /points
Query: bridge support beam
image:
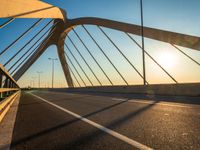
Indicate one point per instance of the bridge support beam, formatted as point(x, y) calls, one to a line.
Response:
point(64, 64)
point(53, 40)
point(29, 9)
point(179, 39)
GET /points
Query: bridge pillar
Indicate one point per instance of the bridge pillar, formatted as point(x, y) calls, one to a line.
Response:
point(58, 40)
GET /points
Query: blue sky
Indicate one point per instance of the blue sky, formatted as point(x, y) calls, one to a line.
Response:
point(174, 15)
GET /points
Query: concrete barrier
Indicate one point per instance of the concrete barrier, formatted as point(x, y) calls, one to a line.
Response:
point(185, 89)
point(189, 89)
point(6, 103)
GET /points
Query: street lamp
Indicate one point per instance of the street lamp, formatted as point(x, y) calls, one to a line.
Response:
point(39, 72)
point(33, 80)
point(52, 60)
point(31, 83)
point(142, 33)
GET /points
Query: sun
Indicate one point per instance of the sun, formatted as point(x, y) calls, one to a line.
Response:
point(167, 59)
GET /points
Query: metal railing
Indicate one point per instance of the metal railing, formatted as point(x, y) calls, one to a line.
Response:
point(8, 85)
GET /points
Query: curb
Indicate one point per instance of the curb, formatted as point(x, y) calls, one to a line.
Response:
point(5, 104)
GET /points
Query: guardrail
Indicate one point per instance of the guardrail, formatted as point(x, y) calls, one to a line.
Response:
point(9, 91)
point(8, 85)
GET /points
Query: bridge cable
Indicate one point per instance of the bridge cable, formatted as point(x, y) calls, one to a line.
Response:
point(185, 54)
point(151, 57)
point(107, 57)
point(90, 55)
point(74, 83)
point(80, 54)
point(27, 43)
point(34, 50)
point(74, 76)
point(32, 46)
point(94, 57)
point(118, 49)
point(41, 44)
point(2, 52)
point(78, 63)
point(75, 69)
point(25, 59)
point(7, 22)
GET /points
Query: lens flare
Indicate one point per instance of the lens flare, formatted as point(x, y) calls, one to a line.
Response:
point(167, 59)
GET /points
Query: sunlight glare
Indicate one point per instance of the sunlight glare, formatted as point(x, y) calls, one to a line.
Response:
point(167, 59)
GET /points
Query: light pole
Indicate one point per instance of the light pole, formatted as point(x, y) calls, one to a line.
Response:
point(142, 32)
point(52, 60)
point(33, 79)
point(39, 72)
point(30, 83)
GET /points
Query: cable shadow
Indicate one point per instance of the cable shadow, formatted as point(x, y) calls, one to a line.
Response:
point(91, 136)
point(47, 131)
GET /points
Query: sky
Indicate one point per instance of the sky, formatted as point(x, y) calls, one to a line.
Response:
point(181, 16)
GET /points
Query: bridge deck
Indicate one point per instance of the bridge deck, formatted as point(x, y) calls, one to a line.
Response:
point(46, 123)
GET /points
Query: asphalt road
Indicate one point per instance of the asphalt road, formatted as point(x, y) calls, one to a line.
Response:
point(58, 120)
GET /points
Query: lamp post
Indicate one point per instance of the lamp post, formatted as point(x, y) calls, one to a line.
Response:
point(52, 60)
point(39, 72)
point(31, 83)
point(33, 79)
point(142, 32)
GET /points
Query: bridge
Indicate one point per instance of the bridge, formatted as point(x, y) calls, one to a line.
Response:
point(119, 93)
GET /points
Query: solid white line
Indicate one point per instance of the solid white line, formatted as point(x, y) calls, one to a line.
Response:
point(119, 99)
point(104, 129)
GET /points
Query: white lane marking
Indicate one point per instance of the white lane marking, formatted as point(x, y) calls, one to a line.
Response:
point(162, 103)
point(151, 102)
point(104, 129)
point(119, 99)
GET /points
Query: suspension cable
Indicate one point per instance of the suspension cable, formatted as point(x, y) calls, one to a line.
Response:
point(2, 52)
point(7, 22)
point(93, 55)
point(78, 63)
point(41, 44)
point(25, 59)
point(80, 55)
point(185, 54)
point(107, 57)
point(75, 68)
point(150, 57)
point(27, 43)
point(74, 76)
point(118, 49)
point(89, 53)
point(74, 83)
point(52, 27)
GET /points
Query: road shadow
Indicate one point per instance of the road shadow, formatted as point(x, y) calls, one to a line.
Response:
point(73, 144)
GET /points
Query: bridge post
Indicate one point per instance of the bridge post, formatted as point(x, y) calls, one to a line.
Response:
point(64, 64)
point(5, 86)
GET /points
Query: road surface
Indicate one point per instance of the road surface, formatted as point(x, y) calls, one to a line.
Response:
point(59, 120)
